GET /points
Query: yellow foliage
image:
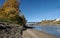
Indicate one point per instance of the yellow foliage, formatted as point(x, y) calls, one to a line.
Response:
point(10, 11)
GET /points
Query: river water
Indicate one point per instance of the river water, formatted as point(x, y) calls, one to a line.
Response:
point(50, 29)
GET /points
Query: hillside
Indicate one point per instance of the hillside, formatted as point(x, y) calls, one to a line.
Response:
point(45, 22)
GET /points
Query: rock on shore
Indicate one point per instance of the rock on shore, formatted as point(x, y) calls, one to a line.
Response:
point(10, 31)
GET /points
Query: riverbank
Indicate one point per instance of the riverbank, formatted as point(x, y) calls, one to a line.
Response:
point(29, 33)
point(10, 31)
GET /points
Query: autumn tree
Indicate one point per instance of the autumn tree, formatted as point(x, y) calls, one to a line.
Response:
point(10, 12)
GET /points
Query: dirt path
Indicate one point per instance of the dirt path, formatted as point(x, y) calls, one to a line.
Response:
point(36, 34)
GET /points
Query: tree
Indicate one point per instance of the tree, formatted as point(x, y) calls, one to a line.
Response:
point(10, 12)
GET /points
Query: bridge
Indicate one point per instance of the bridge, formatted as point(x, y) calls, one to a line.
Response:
point(31, 23)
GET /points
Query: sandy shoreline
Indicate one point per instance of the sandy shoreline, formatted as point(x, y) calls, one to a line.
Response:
point(29, 33)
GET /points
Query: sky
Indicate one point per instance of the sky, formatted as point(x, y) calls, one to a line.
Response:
point(37, 10)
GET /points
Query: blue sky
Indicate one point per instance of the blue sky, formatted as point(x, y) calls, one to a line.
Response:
point(37, 10)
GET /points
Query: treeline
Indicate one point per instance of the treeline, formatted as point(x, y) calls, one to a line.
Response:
point(44, 22)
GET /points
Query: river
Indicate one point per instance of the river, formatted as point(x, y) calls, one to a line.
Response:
point(50, 29)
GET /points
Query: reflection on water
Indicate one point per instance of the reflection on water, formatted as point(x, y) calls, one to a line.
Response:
point(55, 30)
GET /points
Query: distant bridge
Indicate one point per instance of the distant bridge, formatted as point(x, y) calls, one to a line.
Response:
point(31, 23)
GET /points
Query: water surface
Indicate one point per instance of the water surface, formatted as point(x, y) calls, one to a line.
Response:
point(54, 30)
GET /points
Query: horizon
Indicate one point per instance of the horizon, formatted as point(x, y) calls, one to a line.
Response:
point(38, 10)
